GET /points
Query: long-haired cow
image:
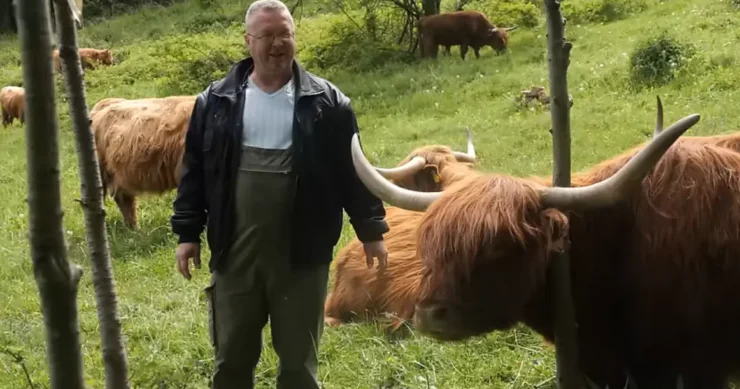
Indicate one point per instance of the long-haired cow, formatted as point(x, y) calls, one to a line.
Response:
point(463, 28)
point(13, 104)
point(359, 292)
point(654, 245)
point(140, 144)
point(88, 58)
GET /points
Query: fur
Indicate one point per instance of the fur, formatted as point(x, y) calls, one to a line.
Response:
point(653, 279)
point(463, 28)
point(88, 57)
point(13, 104)
point(362, 293)
point(140, 144)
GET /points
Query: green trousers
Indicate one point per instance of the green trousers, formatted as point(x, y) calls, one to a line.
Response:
point(257, 282)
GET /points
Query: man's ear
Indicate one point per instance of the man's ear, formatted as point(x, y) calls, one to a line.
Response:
point(554, 225)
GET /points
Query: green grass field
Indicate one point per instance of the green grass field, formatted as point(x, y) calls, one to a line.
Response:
point(400, 106)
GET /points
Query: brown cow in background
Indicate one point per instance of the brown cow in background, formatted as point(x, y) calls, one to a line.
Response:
point(13, 104)
point(463, 28)
point(359, 292)
point(140, 144)
point(88, 57)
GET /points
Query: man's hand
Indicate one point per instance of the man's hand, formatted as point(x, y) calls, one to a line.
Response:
point(184, 252)
point(376, 249)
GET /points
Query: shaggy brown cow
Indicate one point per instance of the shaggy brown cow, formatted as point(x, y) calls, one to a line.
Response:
point(87, 58)
point(463, 28)
point(359, 292)
point(140, 144)
point(13, 104)
point(653, 238)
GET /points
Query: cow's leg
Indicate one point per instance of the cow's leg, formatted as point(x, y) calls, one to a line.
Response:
point(476, 50)
point(127, 205)
point(447, 50)
point(463, 50)
point(6, 119)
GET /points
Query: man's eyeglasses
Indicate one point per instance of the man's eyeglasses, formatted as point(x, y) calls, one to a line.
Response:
point(271, 37)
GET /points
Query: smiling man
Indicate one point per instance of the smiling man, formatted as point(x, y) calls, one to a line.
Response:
point(268, 170)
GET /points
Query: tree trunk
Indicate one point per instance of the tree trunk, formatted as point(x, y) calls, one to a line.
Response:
point(566, 346)
point(56, 278)
point(431, 7)
point(7, 21)
point(114, 354)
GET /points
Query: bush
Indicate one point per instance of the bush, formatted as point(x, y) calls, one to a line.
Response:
point(507, 13)
point(658, 60)
point(179, 64)
point(601, 11)
point(336, 42)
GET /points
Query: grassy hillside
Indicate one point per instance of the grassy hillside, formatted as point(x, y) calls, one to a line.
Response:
point(401, 104)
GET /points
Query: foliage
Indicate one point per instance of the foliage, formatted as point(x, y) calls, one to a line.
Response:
point(355, 43)
point(95, 9)
point(657, 60)
point(601, 11)
point(506, 13)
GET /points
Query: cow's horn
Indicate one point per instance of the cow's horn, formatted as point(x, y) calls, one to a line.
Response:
point(618, 186)
point(659, 119)
point(511, 28)
point(384, 189)
point(470, 155)
point(396, 173)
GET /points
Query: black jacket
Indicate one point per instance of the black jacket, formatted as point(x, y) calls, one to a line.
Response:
point(323, 124)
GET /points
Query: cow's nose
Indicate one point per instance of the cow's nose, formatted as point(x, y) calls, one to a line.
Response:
point(434, 312)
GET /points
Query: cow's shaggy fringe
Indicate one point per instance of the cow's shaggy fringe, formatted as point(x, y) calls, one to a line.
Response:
point(441, 162)
point(140, 144)
point(362, 293)
point(654, 277)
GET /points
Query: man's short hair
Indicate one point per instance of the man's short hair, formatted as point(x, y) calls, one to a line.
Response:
point(269, 5)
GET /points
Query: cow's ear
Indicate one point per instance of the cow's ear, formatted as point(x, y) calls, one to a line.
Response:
point(433, 171)
point(554, 227)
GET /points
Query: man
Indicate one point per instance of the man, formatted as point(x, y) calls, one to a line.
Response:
point(268, 168)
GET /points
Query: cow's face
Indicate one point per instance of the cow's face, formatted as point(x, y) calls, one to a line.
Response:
point(484, 246)
point(498, 39)
point(106, 57)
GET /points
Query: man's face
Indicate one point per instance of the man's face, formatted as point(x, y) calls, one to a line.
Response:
point(271, 40)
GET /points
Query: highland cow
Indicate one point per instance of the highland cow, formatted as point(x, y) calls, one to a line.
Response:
point(359, 292)
point(463, 28)
point(88, 57)
point(653, 237)
point(13, 104)
point(140, 144)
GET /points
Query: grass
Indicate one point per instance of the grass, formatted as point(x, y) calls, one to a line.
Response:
point(399, 107)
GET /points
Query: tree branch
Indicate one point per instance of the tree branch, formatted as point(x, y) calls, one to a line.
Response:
point(56, 278)
point(567, 357)
point(114, 355)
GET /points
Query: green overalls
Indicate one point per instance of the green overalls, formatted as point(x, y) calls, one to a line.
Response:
point(257, 281)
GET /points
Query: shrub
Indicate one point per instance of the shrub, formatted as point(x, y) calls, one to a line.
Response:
point(339, 42)
point(506, 13)
point(657, 60)
point(601, 11)
point(179, 64)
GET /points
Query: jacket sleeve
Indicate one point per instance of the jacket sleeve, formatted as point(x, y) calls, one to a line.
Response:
point(190, 209)
point(366, 211)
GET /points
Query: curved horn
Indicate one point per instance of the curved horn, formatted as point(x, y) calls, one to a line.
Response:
point(384, 189)
point(396, 173)
point(659, 120)
point(511, 28)
point(470, 155)
point(616, 187)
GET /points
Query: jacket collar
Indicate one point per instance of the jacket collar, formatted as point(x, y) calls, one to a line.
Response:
point(236, 79)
